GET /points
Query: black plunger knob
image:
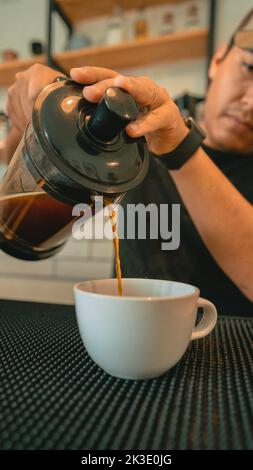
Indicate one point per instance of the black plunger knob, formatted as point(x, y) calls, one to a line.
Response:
point(114, 112)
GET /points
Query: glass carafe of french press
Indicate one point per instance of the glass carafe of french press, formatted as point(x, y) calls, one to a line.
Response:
point(72, 150)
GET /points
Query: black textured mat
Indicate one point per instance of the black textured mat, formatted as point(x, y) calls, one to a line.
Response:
point(52, 395)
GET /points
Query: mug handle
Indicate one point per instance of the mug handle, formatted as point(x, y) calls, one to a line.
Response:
point(207, 322)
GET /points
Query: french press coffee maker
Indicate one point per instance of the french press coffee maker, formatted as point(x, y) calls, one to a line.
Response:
point(72, 150)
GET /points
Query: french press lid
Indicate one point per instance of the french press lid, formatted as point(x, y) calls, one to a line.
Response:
point(83, 146)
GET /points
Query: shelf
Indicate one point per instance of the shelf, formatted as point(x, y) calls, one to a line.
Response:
point(79, 10)
point(178, 46)
point(9, 69)
point(186, 45)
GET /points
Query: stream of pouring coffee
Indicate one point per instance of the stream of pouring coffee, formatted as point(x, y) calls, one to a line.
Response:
point(116, 248)
point(113, 215)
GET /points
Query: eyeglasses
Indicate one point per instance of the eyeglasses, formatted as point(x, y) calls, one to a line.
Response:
point(243, 37)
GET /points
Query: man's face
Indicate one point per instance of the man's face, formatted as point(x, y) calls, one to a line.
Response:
point(228, 116)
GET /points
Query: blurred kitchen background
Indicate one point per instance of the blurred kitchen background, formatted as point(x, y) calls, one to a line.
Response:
point(171, 41)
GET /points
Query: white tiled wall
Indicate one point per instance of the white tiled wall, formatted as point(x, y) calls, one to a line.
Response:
point(52, 280)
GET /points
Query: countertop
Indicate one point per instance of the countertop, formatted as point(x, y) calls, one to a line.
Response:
point(53, 396)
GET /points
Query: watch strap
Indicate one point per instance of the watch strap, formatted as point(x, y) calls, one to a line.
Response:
point(177, 157)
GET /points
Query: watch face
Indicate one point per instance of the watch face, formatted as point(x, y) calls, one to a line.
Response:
point(190, 122)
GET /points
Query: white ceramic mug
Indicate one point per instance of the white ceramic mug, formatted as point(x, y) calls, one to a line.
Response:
point(146, 331)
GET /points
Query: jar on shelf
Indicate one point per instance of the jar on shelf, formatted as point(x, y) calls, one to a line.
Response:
point(115, 32)
point(141, 24)
point(9, 55)
point(78, 41)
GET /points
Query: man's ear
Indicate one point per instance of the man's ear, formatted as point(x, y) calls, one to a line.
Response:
point(216, 60)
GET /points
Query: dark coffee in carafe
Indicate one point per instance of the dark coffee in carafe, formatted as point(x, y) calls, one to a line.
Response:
point(31, 221)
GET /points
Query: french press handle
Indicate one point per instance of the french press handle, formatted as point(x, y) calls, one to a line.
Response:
point(114, 112)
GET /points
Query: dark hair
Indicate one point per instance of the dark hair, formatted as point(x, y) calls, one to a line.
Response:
point(242, 26)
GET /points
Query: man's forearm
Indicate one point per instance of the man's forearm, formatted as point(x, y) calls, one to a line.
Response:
point(222, 216)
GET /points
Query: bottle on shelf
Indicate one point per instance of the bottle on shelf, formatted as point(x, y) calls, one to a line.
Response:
point(168, 22)
point(140, 24)
point(115, 33)
point(192, 16)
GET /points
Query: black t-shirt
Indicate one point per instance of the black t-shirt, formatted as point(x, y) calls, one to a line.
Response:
point(191, 263)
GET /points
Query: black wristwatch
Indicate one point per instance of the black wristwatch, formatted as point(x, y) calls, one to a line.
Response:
point(180, 155)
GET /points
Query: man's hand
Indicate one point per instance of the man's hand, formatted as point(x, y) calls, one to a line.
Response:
point(160, 120)
point(24, 91)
